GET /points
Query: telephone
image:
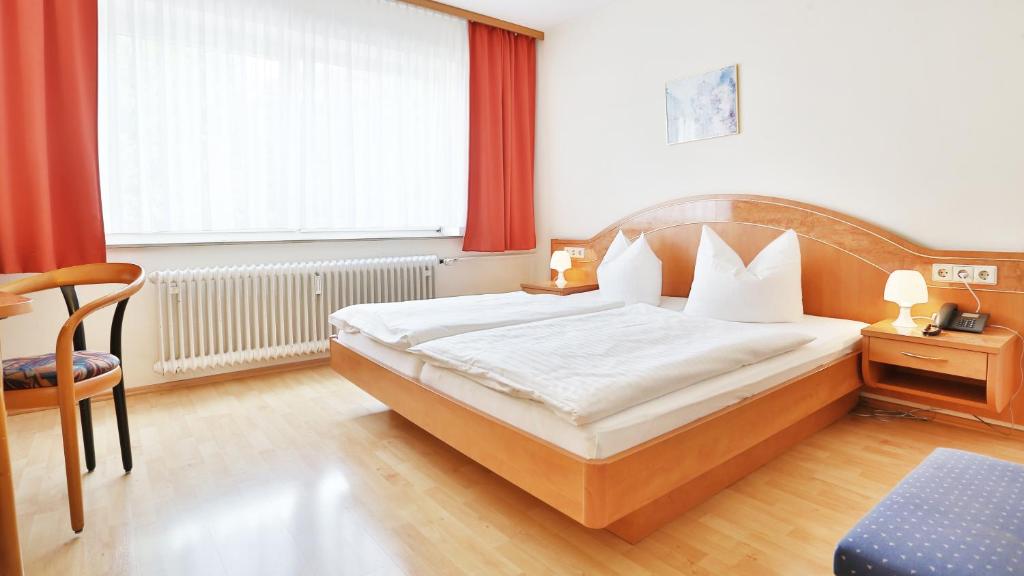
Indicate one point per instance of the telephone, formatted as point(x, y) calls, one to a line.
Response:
point(950, 318)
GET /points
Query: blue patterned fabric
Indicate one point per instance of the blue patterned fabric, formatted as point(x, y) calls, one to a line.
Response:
point(41, 371)
point(957, 513)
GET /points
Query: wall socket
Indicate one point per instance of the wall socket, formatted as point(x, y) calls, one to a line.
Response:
point(575, 251)
point(942, 272)
point(986, 274)
point(965, 273)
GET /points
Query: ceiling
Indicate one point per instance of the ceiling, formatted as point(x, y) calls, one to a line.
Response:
point(537, 14)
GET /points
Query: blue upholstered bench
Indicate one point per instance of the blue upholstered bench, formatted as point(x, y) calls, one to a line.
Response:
point(956, 513)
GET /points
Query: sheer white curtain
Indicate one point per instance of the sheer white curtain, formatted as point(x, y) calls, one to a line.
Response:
point(281, 117)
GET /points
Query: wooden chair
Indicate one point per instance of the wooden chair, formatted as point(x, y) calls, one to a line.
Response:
point(72, 374)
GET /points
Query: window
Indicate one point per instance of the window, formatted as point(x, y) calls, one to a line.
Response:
point(227, 119)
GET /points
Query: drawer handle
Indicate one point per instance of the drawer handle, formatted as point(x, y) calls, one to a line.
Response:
point(921, 357)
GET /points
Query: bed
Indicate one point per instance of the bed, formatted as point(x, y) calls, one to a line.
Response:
point(636, 470)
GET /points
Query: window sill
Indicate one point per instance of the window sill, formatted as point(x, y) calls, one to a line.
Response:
point(206, 239)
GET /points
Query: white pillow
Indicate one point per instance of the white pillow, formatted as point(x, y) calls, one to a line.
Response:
point(618, 246)
point(766, 291)
point(632, 274)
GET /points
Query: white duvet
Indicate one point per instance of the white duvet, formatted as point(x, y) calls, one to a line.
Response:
point(591, 366)
point(405, 324)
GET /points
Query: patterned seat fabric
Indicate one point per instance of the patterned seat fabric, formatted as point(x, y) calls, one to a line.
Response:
point(41, 371)
point(957, 513)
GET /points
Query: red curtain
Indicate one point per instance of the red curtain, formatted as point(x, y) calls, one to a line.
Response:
point(50, 214)
point(502, 79)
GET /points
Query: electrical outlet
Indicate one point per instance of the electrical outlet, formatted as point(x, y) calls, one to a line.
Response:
point(575, 251)
point(963, 273)
point(942, 272)
point(986, 274)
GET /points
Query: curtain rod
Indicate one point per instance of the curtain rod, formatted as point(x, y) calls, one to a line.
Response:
point(476, 17)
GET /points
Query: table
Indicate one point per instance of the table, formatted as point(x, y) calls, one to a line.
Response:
point(10, 549)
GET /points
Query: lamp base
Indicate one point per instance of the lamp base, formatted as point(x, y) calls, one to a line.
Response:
point(904, 320)
point(560, 282)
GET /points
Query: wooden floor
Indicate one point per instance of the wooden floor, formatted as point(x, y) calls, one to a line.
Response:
point(302, 473)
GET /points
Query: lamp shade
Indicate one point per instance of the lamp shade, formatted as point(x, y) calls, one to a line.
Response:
point(560, 261)
point(906, 288)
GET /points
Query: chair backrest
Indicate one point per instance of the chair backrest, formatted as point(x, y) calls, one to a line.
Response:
point(67, 279)
point(112, 273)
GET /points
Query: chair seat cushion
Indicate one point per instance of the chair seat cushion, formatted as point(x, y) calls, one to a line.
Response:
point(41, 371)
point(957, 513)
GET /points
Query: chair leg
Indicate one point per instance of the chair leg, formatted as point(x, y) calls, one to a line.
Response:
point(72, 466)
point(121, 410)
point(85, 409)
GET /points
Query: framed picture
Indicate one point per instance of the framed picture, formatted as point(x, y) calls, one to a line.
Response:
point(704, 106)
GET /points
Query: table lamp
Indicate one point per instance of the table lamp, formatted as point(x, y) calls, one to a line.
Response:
point(560, 262)
point(905, 288)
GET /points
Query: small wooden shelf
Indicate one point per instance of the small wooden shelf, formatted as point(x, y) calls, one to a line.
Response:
point(959, 371)
point(551, 288)
point(934, 387)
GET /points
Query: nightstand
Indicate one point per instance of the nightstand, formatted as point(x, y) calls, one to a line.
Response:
point(550, 288)
point(954, 370)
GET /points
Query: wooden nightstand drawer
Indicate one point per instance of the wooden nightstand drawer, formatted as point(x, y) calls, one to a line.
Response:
point(944, 360)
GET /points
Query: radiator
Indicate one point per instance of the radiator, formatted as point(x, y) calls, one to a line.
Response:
point(212, 317)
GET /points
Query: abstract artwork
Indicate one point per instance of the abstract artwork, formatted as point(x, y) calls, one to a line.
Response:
point(704, 106)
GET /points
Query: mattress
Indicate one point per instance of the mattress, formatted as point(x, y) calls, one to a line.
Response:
point(833, 339)
point(410, 365)
point(405, 363)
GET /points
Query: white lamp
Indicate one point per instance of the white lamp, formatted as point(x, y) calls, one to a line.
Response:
point(561, 262)
point(906, 288)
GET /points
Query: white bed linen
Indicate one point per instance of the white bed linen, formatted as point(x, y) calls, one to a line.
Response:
point(834, 338)
point(410, 365)
point(406, 324)
point(590, 366)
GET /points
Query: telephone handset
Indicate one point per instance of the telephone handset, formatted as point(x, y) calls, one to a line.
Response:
point(950, 318)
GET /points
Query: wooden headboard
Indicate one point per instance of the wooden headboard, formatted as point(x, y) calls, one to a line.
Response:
point(845, 261)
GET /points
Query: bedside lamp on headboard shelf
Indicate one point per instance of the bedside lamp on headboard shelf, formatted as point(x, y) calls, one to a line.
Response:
point(905, 288)
point(560, 262)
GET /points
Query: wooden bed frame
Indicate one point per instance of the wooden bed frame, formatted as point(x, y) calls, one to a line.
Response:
point(845, 262)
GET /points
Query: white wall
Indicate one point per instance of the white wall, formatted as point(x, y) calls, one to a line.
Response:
point(908, 114)
point(36, 333)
